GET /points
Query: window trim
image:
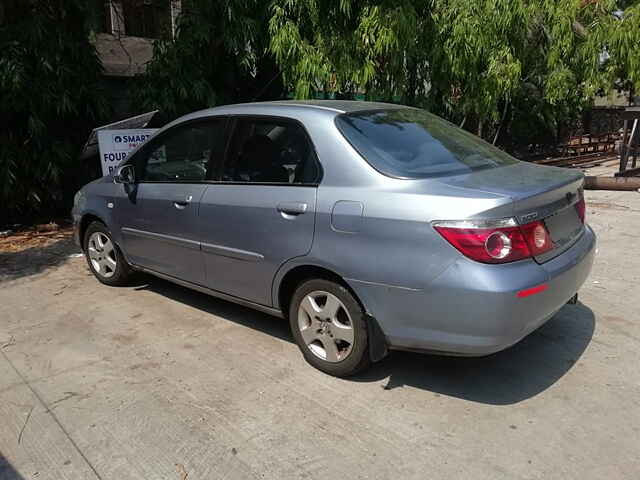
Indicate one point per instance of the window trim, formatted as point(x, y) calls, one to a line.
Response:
point(194, 121)
point(231, 121)
point(232, 125)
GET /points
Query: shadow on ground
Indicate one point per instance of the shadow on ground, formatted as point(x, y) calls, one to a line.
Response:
point(511, 376)
point(276, 327)
point(7, 472)
point(516, 374)
point(37, 259)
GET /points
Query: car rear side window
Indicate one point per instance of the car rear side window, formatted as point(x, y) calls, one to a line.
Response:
point(412, 143)
point(184, 153)
point(265, 150)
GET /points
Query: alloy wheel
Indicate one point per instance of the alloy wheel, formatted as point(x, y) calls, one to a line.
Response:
point(326, 326)
point(102, 254)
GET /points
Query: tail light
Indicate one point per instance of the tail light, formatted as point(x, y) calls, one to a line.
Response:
point(581, 207)
point(496, 241)
point(537, 238)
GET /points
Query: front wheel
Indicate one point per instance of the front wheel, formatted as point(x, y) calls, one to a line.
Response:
point(105, 260)
point(328, 326)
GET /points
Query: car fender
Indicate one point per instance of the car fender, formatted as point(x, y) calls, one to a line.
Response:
point(378, 344)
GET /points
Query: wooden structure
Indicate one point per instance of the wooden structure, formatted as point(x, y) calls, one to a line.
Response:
point(612, 183)
point(630, 143)
point(586, 144)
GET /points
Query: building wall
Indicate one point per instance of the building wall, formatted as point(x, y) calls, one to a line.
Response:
point(125, 32)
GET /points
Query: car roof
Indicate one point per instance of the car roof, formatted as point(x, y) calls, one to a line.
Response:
point(300, 109)
point(342, 106)
point(337, 106)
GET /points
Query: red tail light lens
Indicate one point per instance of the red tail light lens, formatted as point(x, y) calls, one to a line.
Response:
point(498, 241)
point(537, 238)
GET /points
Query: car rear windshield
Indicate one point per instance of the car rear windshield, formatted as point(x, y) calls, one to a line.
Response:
point(412, 143)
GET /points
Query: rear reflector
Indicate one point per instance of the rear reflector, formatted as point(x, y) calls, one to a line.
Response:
point(532, 291)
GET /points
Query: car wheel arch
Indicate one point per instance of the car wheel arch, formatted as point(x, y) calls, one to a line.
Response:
point(294, 276)
point(87, 219)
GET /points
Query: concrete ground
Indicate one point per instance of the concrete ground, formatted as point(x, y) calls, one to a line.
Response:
point(155, 381)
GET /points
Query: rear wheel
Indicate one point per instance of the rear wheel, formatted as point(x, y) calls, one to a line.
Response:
point(105, 260)
point(328, 326)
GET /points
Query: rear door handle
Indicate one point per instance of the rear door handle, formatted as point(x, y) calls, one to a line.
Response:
point(182, 202)
point(292, 208)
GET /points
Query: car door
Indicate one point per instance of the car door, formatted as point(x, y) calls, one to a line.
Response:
point(162, 232)
point(261, 211)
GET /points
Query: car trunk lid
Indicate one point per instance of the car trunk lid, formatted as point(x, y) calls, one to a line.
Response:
point(548, 194)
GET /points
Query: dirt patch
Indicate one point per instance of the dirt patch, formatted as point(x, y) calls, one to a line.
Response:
point(34, 250)
point(38, 236)
point(607, 206)
point(126, 338)
point(145, 366)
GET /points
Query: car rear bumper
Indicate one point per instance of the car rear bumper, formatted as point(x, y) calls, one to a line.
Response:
point(473, 308)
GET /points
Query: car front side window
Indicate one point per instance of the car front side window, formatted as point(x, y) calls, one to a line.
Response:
point(184, 154)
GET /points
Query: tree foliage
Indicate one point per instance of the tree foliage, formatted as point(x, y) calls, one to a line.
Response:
point(514, 71)
point(218, 56)
point(479, 62)
point(49, 99)
point(381, 48)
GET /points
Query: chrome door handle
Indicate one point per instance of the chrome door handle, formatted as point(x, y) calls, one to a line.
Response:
point(292, 208)
point(180, 204)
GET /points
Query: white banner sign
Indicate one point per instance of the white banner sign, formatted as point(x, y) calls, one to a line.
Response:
point(115, 145)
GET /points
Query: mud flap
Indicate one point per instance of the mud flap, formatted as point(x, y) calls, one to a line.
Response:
point(377, 341)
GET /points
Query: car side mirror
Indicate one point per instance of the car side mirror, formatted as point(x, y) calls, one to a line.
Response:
point(126, 174)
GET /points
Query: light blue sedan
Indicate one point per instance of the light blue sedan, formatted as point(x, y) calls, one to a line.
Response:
point(369, 226)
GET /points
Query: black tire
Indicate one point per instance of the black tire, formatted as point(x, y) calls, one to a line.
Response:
point(121, 274)
point(357, 359)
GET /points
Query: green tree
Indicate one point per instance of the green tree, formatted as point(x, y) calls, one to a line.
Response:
point(218, 56)
point(613, 29)
point(49, 99)
point(497, 66)
point(379, 48)
point(477, 63)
